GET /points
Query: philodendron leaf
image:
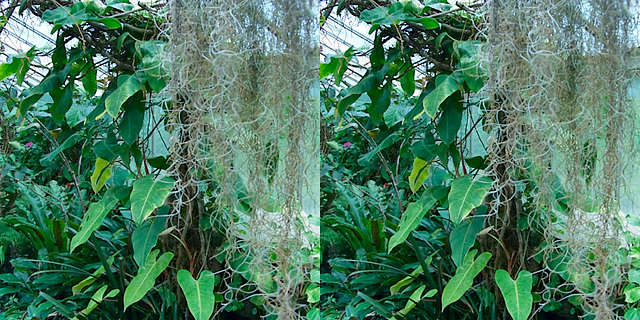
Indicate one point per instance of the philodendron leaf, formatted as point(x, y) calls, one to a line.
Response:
point(463, 279)
point(93, 277)
point(411, 218)
point(144, 238)
point(93, 217)
point(517, 293)
point(410, 278)
point(128, 85)
point(465, 195)
point(101, 174)
point(463, 237)
point(419, 174)
point(198, 293)
point(146, 277)
point(147, 195)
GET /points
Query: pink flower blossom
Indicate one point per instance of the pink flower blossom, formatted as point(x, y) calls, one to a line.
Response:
point(28, 144)
point(347, 144)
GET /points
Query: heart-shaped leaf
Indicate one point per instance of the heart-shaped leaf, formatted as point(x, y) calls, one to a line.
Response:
point(463, 279)
point(147, 195)
point(465, 195)
point(146, 277)
point(93, 217)
point(517, 293)
point(411, 218)
point(198, 293)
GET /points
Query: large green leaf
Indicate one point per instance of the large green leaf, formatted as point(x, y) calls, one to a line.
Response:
point(68, 143)
point(128, 85)
point(410, 278)
point(101, 174)
point(411, 218)
point(144, 238)
point(377, 306)
point(386, 143)
point(146, 277)
point(415, 297)
point(516, 293)
point(408, 81)
point(62, 100)
point(93, 217)
point(380, 101)
point(446, 85)
point(96, 299)
point(89, 81)
point(147, 195)
point(198, 293)
point(131, 122)
point(396, 113)
point(451, 118)
point(463, 279)
point(463, 237)
point(93, 277)
point(465, 195)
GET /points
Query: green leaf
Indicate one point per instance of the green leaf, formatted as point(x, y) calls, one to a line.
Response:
point(78, 114)
point(465, 195)
point(89, 81)
point(108, 149)
point(147, 195)
point(395, 114)
point(146, 277)
point(634, 276)
point(96, 299)
point(198, 293)
point(380, 101)
point(419, 174)
point(57, 305)
point(451, 118)
point(93, 277)
point(93, 217)
point(131, 122)
point(111, 23)
point(10, 68)
point(446, 85)
point(463, 279)
point(517, 294)
point(411, 218)
point(67, 15)
point(68, 143)
point(410, 278)
point(145, 238)
point(415, 297)
point(62, 100)
point(463, 238)
point(128, 85)
point(429, 23)
point(379, 308)
point(51, 82)
point(632, 294)
point(101, 174)
point(632, 314)
point(408, 81)
point(386, 143)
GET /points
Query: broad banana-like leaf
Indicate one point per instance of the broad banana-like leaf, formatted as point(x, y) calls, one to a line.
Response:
point(516, 293)
point(93, 217)
point(465, 195)
point(463, 279)
point(147, 195)
point(146, 277)
point(199, 293)
point(411, 218)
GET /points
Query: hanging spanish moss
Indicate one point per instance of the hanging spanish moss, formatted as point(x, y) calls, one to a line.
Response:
point(245, 123)
point(561, 122)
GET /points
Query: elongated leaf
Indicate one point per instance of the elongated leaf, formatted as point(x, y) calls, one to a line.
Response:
point(412, 302)
point(94, 216)
point(146, 277)
point(463, 279)
point(7, 69)
point(101, 174)
point(62, 100)
point(408, 81)
point(380, 101)
point(379, 308)
point(411, 218)
point(410, 278)
point(144, 238)
point(198, 293)
point(128, 85)
point(516, 293)
point(386, 143)
point(131, 122)
point(93, 277)
point(419, 174)
point(463, 237)
point(68, 143)
point(89, 81)
point(449, 123)
point(96, 299)
point(465, 195)
point(147, 195)
point(446, 86)
point(59, 306)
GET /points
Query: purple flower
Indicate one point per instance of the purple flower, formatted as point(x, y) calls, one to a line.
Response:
point(28, 144)
point(347, 144)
